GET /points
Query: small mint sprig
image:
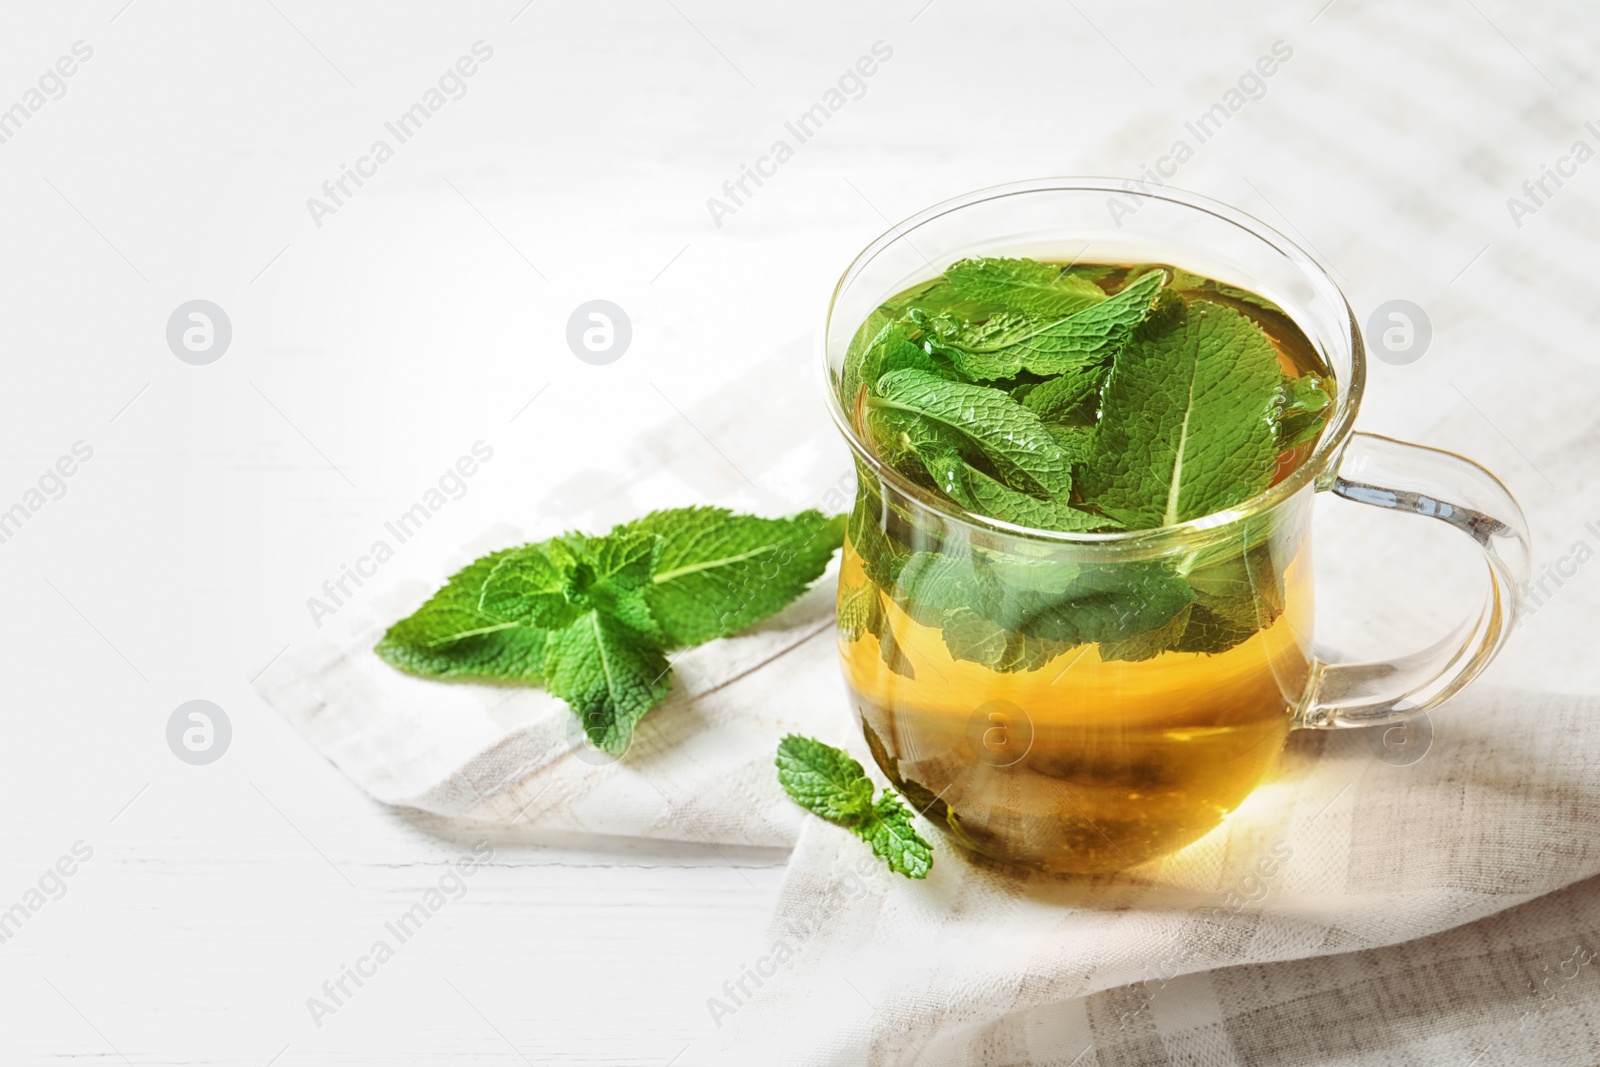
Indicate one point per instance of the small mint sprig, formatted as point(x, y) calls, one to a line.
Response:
point(827, 782)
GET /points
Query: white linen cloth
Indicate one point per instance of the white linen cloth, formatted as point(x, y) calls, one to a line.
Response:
point(699, 767)
point(1436, 912)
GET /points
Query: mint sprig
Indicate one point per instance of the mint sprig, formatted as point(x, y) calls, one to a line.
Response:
point(592, 618)
point(827, 782)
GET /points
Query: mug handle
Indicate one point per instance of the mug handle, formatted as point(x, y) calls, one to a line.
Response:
point(1397, 476)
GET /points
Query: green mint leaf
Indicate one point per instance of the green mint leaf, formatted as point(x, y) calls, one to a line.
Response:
point(894, 839)
point(941, 302)
point(528, 587)
point(1039, 290)
point(609, 671)
point(868, 334)
point(1151, 643)
point(1069, 405)
point(949, 335)
point(892, 349)
point(1090, 336)
point(717, 573)
point(1199, 285)
point(1176, 277)
point(625, 558)
point(931, 454)
point(1071, 397)
point(1231, 570)
point(1009, 436)
point(1307, 404)
point(903, 439)
point(1186, 426)
point(972, 637)
point(824, 780)
point(1248, 297)
point(860, 612)
point(880, 556)
point(1237, 593)
point(1077, 442)
point(1014, 614)
point(930, 584)
point(513, 654)
point(894, 655)
point(921, 797)
point(452, 612)
point(887, 322)
point(602, 645)
point(548, 585)
point(1217, 624)
point(1082, 603)
point(983, 495)
point(448, 637)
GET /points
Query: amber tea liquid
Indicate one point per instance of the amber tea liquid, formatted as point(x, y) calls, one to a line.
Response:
point(1090, 765)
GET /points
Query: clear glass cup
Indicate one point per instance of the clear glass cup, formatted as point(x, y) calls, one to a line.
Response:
point(1021, 687)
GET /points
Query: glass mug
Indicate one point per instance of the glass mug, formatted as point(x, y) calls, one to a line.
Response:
point(1022, 687)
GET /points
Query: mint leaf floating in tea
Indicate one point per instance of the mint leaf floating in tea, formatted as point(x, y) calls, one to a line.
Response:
point(983, 495)
point(1039, 290)
point(973, 636)
point(826, 781)
point(1048, 347)
point(1306, 404)
point(592, 618)
point(1069, 399)
point(1248, 297)
point(892, 349)
point(988, 423)
point(1186, 428)
point(930, 452)
point(860, 612)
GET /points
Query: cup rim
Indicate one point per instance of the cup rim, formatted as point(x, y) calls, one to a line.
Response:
point(1324, 457)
